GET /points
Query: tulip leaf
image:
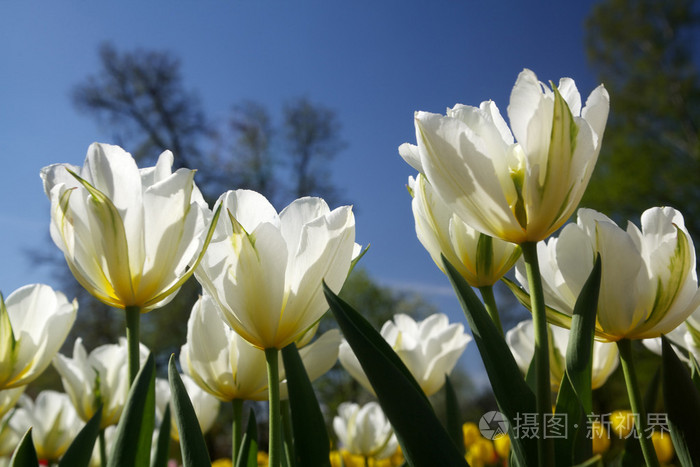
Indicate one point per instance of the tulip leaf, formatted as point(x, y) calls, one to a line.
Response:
point(695, 371)
point(632, 455)
point(596, 460)
point(574, 447)
point(311, 442)
point(192, 446)
point(513, 394)
point(25, 454)
point(682, 401)
point(160, 459)
point(553, 316)
point(79, 452)
point(248, 455)
point(422, 437)
point(579, 352)
point(135, 429)
point(453, 421)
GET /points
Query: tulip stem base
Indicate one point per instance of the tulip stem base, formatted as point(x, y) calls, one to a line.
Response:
point(236, 428)
point(636, 403)
point(273, 390)
point(490, 304)
point(543, 390)
point(133, 321)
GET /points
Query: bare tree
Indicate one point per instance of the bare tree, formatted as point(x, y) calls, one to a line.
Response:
point(312, 136)
point(140, 95)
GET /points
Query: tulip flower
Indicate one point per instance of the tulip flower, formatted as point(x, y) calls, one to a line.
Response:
point(206, 407)
point(480, 259)
point(655, 266)
point(97, 378)
point(128, 234)
point(226, 366)
point(54, 422)
point(265, 269)
point(364, 431)
point(429, 349)
point(520, 339)
point(34, 322)
point(517, 191)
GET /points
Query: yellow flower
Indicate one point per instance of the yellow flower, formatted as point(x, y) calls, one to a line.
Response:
point(502, 445)
point(663, 446)
point(622, 423)
point(471, 433)
point(601, 440)
point(481, 453)
point(223, 462)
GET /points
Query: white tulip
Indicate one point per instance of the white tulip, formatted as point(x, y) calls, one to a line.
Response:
point(654, 266)
point(364, 431)
point(98, 378)
point(517, 191)
point(480, 259)
point(228, 367)
point(128, 235)
point(34, 322)
point(265, 270)
point(429, 349)
point(521, 341)
point(54, 422)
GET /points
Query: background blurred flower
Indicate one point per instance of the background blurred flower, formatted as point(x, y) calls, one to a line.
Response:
point(34, 322)
point(518, 192)
point(480, 259)
point(225, 365)
point(364, 431)
point(654, 266)
point(599, 436)
point(98, 378)
point(265, 270)
point(54, 422)
point(128, 235)
point(429, 349)
point(521, 341)
point(663, 446)
point(206, 407)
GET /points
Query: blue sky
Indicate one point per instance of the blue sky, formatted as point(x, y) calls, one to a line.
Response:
point(375, 63)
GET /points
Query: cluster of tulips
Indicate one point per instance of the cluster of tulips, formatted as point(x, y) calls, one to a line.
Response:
point(487, 198)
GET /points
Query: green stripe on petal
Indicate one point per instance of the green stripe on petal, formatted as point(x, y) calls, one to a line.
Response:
point(114, 241)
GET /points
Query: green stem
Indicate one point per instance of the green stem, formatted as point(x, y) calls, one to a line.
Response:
point(273, 390)
point(290, 455)
point(543, 390)
point(636, 404)
point(490, 304)
point(103, 449)
point(236, 428)
point(133, 318)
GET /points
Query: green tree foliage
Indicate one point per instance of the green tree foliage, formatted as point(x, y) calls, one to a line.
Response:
point(646, 54)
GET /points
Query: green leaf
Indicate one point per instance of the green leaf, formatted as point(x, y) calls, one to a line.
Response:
point(453, 420)
point(422, 437)
point(80, 450)
point(596, 460)
point(632, 455)
point(512, 393)
point(682, 401)
point(248, 455)
point(135, 429)
point(25, 454)
point(192, 446)
point(579, 352)
point(695, 371)
point(163, 443)
point(311, 442)
point(575, 447)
